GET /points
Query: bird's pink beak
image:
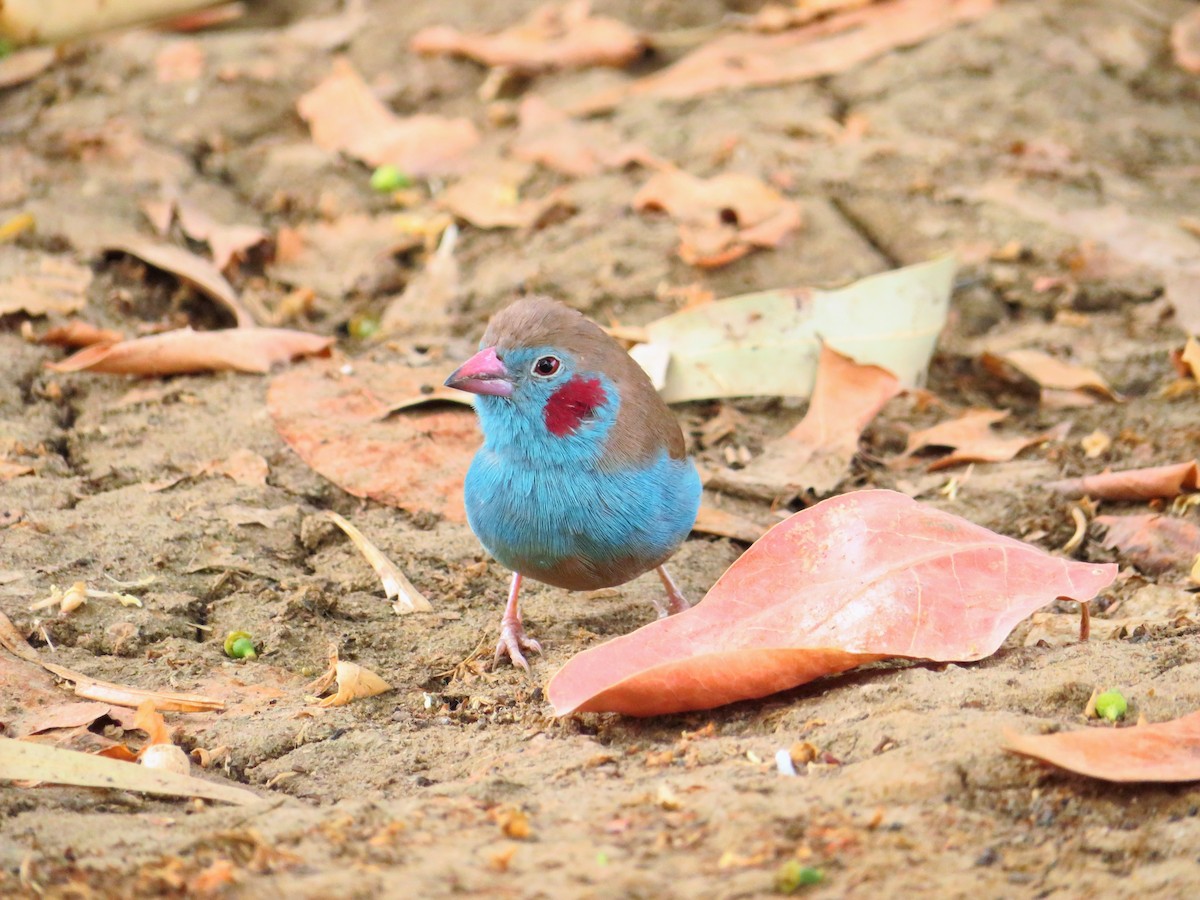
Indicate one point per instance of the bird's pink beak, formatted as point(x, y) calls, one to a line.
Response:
point(483, 373)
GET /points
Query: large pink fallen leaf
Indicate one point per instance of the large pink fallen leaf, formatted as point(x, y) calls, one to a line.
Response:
point(1154, 543)
point(1164, 751)
point(345, 116)
point(553, 139)
point(189, 268)
point(1166, 482)
point(972, 439)
point(185, 351)
point(739, 60)
point(817, 452)
point(857, 578)
point(553, 37)
point(1185, 41)
point(720, 219)
point(340, 425)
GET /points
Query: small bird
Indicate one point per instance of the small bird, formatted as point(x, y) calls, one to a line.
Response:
point(583, 480)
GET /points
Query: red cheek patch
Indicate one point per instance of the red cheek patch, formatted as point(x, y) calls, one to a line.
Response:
point(575, 401)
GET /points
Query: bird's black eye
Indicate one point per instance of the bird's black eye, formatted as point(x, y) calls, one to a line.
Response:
point(546, 366)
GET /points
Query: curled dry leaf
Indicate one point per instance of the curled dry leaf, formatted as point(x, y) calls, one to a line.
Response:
point(188, 268)
point(720, 219)
point(344, 115)
point(768, 344)
point(38, 284)
point(405, 596)
point(491, 198)
point(553, 37)
point(353, 682)
point(1189, 359)
point(1062, 383)
point(553, 139)
point(1185, 41)
point(738, 60)
point(76, 333)
point(35, 21)
point(857, 578)
point(1162, 752)
point(1166, 482)
point(186, 351)
point(1154, 543)
point(339, 425)
point(817, 452)
point(711, 520)
point(227, 242)
point(972, 440)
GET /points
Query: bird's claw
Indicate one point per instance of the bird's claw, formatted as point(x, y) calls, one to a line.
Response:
point(513, 640)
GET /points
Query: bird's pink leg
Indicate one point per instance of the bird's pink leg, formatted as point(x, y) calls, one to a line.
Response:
point(512, 633)
point(675, 601)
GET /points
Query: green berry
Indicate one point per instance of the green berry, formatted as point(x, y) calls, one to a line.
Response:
point(388, 178)
point(1111, 706)
point(361, 326)
point(792, 876)
point(239, 645)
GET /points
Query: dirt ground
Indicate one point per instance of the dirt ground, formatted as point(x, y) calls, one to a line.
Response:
point(430, 789)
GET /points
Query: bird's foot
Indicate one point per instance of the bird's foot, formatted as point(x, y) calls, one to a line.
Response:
point(513, 640)
point(674, 602)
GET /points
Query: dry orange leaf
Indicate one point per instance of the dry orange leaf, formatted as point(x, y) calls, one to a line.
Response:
point(1164, 751)
point(491, 198)
point(1166, 482)
point(1154, 543)
point(10, 470)
point(150, 720)
point(76, 333)
point(816, 453)
point(1062, 383)
point(1189, 358)
point(1185, 41)
point(972, 440)
point(186, 351)
point(353, 682)
point(338, 423)
point(25, 65)
point(553, 37)
point(738, 60)
point(710, 520)
point(189, 268)
point(553, 139)
point(344, 115)
point(720, 219)
point(227, 242)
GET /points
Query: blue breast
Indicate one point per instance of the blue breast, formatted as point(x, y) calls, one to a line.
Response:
point(579, 526)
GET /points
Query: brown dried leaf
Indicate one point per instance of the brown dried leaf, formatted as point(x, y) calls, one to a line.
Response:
point(553, 139)
point(1163, 752)
point(553, 37)
point(1155, 544)
point(1050, 374)
point(711, 520)
point(25, 65)
point(491, 198)
point(816, 453)
point(10, 470)
point(345, 116)
point(737, 61)
point(720, 219)
point(404, 594)
point(189, 268)
point(38, 284)
point(186, 351)
point(1166, 482)
point(972, 439)
point(353, 683)
point(76, 333)
point(339, 425)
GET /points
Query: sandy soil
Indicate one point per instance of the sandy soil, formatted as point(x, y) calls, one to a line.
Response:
point(429, 790)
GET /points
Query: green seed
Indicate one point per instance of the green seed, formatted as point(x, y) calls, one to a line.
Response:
point(388, 178)
point(239, 645)
point(792, 876)
point(1111, 706)
point(362, 327)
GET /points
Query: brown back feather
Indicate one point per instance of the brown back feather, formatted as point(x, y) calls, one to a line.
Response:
point(645, 425)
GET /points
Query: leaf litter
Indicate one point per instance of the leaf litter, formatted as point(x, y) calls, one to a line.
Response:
point(971, 439)
point(404, 595)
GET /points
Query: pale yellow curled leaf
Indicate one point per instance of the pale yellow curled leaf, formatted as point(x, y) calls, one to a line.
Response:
point(353, 683)
point(767, 344)
point(404, 595)
point(25, 761)
point(54, 21)
point(1190, 356)
point(1195, 573)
